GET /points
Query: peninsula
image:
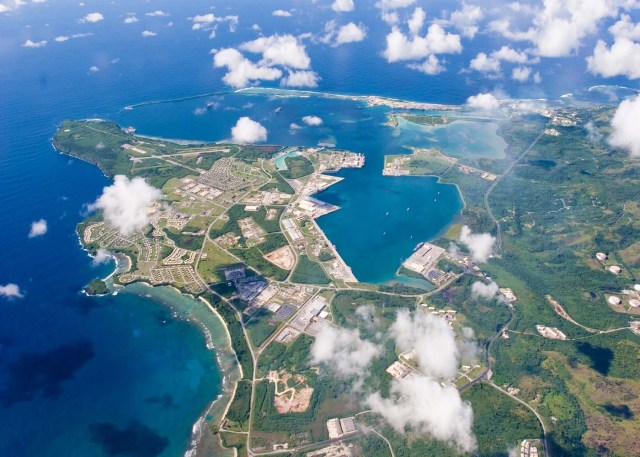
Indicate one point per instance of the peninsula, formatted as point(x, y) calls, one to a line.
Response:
point(237, 227)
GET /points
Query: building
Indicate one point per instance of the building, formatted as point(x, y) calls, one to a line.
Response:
point(338, 428)
point(601, 256)
point(348, 425)
point(398, 370)
point(233, 273)
point(614, 300)
point(334, 428)
point(615, 269)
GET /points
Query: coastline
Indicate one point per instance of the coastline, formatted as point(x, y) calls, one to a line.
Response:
point(334, 251)
point(370, 100)
point(203, 441)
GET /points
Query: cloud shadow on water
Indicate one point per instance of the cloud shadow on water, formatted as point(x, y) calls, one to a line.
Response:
point(42, 373)
point(135, 440)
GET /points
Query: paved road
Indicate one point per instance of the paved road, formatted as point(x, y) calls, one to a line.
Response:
point(487, 353)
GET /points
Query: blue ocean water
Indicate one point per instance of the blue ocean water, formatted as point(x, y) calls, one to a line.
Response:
point(89, 376)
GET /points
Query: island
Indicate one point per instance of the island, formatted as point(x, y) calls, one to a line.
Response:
point(97, 287)
point(555, 354)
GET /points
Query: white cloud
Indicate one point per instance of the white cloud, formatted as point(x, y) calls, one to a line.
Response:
point(343, 351)
point(9, 5)
point(350, 33)
point(508, 54)
point(626, 134)
point(390, 17)
point(130, 20)
point(433, 340)
point(521, 74)
point(558, 27)
point(247, 130)
point(92, 17)
point(94, 69)
point(148, 33)
point(485, 64)
point(38, 228)
point(277, 51)
point(480, 245)
point(521, 8)
point(593, 134)
point(63, 38)
point(394, 4)
point(431, 66)
point(10, 290)
point(367, 315)
point(416, 21)
point(492, 63)
point(284, 50)
point(157, 13)
point(401, 47)
point(621, 59)
point(209, 22)
point(423, 405)
point(312, 120)
point(625, 28)
point(101, 256)
point(483, 101)
point(302, 78)
point(466, 19)
point(240, 70)
point(125, 203)
point(204, 18)
point(34, 44)
point(281, 13)
point(343, 6)
point(486, 291)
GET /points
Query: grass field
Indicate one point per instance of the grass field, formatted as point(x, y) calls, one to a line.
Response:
point(210, 268)
point(261, 327)
point(297, 167)
point(309, 272)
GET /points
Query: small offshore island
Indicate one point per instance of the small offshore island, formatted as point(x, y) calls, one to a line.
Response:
point(237, 228)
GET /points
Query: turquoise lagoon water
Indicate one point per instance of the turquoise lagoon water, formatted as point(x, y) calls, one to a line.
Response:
point(471, 139)
point(280, 160)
